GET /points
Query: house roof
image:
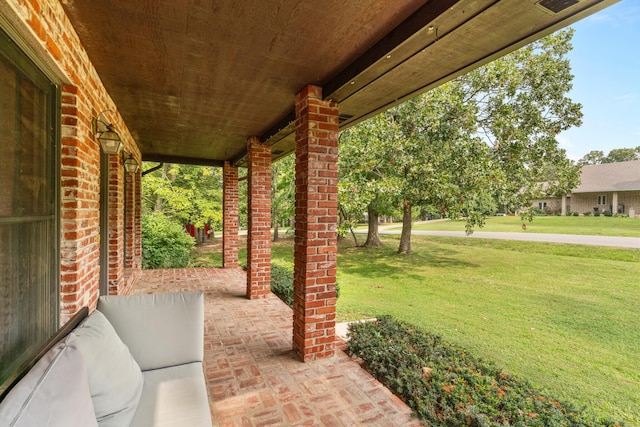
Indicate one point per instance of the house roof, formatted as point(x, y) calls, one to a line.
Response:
point(620, 176)
point(194, 79)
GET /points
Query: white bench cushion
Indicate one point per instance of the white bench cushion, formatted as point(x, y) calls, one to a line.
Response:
point(175, 396)
point(115, 379)
point(54, 393)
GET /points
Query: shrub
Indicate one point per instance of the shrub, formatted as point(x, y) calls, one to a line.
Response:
point(596, 213)
point(446, 386)
point(165, 244)
point(282, 283)
point(569, 213)
point(587, 213)
point(575, 214)
point(607, 213)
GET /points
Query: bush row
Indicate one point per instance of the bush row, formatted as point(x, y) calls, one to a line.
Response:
point(446, 386)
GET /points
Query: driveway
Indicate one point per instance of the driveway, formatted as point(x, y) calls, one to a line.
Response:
point(620, 242)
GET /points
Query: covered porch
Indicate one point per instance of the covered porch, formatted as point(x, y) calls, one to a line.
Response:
point(254, 377)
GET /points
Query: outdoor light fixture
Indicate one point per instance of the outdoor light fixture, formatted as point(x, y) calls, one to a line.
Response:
point(109, 139)
point(131, 165)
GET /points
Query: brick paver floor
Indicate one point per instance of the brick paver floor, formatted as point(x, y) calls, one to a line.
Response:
point(253, 376)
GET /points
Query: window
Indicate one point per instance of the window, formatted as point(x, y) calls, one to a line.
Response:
point(29, 200)
point(542, 205)
point(602, 200)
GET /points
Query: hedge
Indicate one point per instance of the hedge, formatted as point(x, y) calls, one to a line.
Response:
point(165, 244)
point(446, 386)
point(282, 283)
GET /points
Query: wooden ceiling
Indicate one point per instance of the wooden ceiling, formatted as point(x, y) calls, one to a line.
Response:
point(193, 79)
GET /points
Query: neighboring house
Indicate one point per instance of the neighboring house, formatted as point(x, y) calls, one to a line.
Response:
point(612, 187)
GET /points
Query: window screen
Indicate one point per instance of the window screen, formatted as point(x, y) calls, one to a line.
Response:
point(29, 272)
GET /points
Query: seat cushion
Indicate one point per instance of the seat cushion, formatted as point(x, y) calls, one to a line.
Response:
point(174, 397)
point(115, 379)
point(54, 393)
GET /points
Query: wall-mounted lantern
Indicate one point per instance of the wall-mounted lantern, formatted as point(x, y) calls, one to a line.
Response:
point(109, 139)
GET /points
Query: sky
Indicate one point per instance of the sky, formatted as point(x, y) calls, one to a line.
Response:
point(606, 64)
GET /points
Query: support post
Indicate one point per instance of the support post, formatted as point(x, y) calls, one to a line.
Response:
point(259, 219)
point(230, 222)
point(315, 246)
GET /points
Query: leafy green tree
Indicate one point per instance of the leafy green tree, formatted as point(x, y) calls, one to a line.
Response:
point(522, 105)
point(490, 131)
point(365, 184)
point(283, 189)
point(186, 194)
point(597, 157)
point(622, 155)
point(594, 157)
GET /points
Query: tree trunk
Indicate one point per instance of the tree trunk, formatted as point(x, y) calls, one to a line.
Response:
point(405, 237)
point(159, 203)
point(275, 231)
point(373, 239)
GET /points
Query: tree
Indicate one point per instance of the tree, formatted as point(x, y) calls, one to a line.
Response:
point(186, 194)
point(597, 157)
point(403, 158)
point(522, 105)
point(622, 155)
point(365, 184)
point(594, 157)
point(283, 188)
point(490, 131)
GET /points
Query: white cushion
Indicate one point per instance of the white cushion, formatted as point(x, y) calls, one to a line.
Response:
point(54, 393)
point(115, 380)
point(175, 396)
point(160, 329)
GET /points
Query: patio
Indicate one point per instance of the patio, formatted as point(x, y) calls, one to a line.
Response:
point(255, 379)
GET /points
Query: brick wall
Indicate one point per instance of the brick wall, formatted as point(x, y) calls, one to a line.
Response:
point(315, 247)
point(44, 27)
point(230, 222)
point(259, 220)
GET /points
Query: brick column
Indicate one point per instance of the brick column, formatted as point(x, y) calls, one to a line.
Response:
point(129, 219)
point(259, 215)
point(138, 221)
point(315, 248)
point(230, 216)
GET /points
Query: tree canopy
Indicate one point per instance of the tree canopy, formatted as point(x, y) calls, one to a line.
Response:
point(187, 194)
point(487, 135)
point(596, 157)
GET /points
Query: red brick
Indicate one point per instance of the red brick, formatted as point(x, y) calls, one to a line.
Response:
point(259, 219)
point(315, 243)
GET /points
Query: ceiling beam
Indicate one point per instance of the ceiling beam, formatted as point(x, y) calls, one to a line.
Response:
point(181, 160)
point(382, 54)
point(378, 54)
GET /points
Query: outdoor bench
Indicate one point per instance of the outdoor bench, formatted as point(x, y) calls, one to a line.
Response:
point(135, 361)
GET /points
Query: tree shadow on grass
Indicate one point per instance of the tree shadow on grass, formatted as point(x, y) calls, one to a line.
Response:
point(385, 261)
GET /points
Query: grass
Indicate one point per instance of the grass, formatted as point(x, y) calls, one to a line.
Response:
point(563, 316)
point(593, 226)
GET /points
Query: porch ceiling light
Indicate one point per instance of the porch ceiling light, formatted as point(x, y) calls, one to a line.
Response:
point(109, 139)
point(131, 165)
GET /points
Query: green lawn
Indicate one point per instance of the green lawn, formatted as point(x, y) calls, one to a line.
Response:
point(593, 226)
point(562, 316)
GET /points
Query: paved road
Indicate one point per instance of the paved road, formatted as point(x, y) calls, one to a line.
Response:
point(621, 242)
